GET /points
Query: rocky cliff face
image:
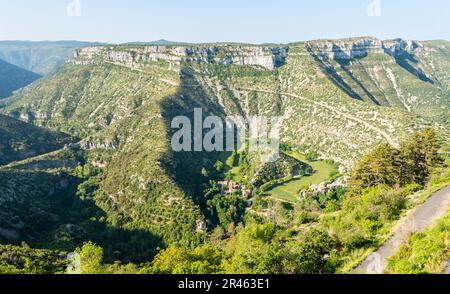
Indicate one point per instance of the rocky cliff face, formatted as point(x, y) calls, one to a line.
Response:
point(359, 47)
point(133, 57)
point(265, 56)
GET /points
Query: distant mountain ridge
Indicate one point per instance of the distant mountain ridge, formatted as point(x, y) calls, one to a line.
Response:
point(161, 42)
point(13, 77)
point(42, 57)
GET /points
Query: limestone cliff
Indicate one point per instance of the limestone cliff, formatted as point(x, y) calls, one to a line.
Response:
point(360, 47)
point(133, 57)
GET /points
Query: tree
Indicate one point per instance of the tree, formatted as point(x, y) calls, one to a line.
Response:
point(254, 250)
point(219, 166)
point(91, 258)
point(413, 160)
point(228, 209)
point(419, 155)
point(307, 255)
point(376, 168)
point(412, 163)
point(205, 259)
point(217, 236)
point(359, 222)
point(243, 162)
point(232, 160)
point(431, 146)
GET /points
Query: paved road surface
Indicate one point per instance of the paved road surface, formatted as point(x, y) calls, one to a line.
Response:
point(447, 269)
point(417, 221)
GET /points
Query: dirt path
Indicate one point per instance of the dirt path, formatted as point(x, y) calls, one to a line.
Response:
point(415, 221)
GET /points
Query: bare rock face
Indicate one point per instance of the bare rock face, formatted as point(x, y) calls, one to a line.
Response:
point(397, 46)
point(133, 57)
point(345, 48)
point(360, 47)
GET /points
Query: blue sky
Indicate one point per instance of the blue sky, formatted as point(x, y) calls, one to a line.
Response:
point(253, 21)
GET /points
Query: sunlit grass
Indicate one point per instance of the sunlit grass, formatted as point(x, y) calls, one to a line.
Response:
point(289, 191)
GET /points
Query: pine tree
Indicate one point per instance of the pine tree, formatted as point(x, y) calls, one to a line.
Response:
point(413, 162)
point(376, 168)
point(419, 155)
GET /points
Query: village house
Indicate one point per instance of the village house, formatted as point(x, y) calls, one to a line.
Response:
point(320, 188)
point(228, 187)
point(324, 187)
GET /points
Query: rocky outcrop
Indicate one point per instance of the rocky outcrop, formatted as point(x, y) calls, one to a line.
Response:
point(360, 47)
point(398, 46)
point(134, 57)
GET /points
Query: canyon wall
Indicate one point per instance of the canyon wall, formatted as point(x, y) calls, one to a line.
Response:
point(360, 47)
point(267, 57)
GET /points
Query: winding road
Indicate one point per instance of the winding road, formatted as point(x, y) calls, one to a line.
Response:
point(415, 221)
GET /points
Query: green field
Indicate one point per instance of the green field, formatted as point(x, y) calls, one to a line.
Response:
point(289, 191)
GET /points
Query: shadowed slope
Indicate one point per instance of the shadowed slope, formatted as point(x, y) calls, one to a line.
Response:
point(13, 78)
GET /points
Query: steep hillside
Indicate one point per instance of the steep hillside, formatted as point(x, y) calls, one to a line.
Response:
point(326, 108)
point(13, 78)
point(118, 114)
point(19, 140)
point(407, 74)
